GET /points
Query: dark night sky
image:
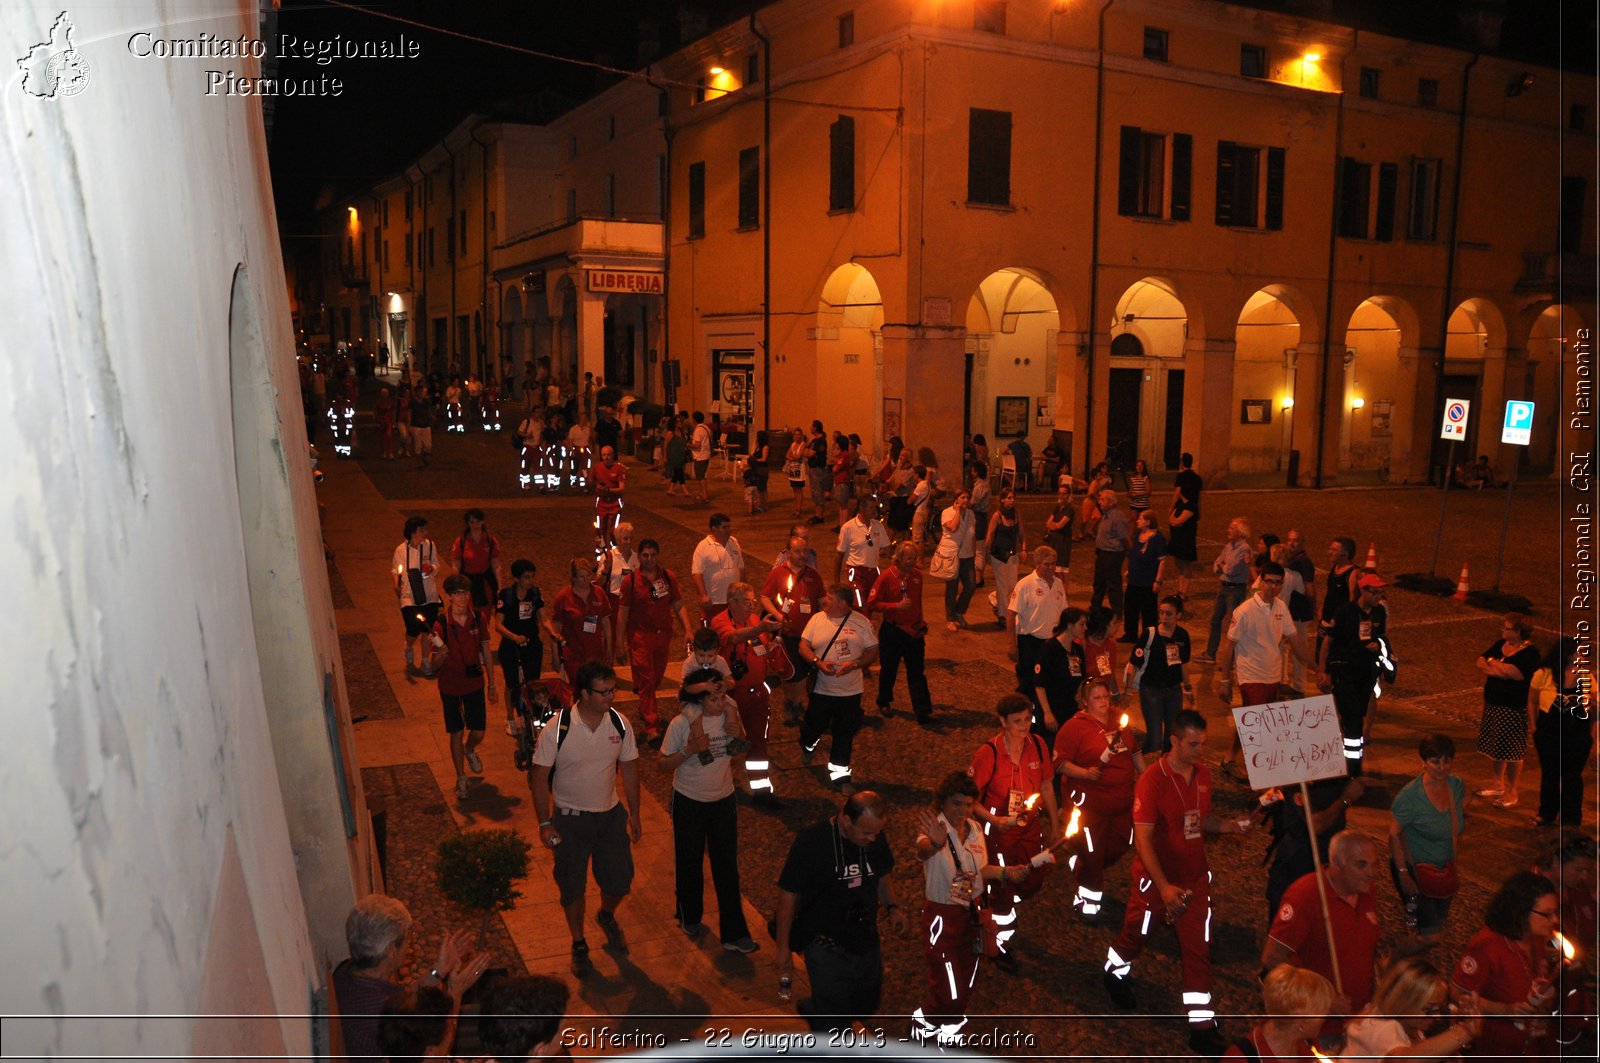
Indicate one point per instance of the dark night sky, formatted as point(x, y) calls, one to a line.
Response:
point(392, 109)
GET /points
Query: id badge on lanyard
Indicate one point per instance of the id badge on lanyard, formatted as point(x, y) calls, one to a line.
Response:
point(1191, 824)
point(1174, 655)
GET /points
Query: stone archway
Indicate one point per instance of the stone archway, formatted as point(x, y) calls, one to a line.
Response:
point(1012, 325)
point(849, 357)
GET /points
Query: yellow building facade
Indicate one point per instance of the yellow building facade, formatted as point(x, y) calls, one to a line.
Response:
point(1147, 227)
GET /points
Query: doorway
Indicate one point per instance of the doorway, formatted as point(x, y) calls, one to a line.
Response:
point(1122, 417)
point(733, 378)
point(1172, 439)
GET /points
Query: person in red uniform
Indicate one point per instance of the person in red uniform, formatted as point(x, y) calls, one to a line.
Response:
point(746, 646)
point(793, 593)
point(1171, 817)
point(579, 620)
point(1017, 806)
point(1510, 965)
point(608, 476)
point(1100, 763)
point(1299, 935)
point(647, 603)
point(476, 554)
point(903, 636)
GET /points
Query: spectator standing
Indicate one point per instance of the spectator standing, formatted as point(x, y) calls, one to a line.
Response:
point(699, 752)
point(817, 470)
point(1232, 569)
point(1183, 521)
point(1563, 733)
point(794, 468)
point(1113, 536)
point(520, 1018)
point(1058, 528)
point(1060, 672)
point(897, 594)
point(676, 457)
point(594, 746)
point(1139, 487)
point(960, 527)
point(700, 453)
point(1146, 553)
point(1005, 542)
point(1508, 668)
point(422, 425)
point(1302, 609)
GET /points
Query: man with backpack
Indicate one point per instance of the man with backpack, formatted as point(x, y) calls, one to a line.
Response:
point(574, 783)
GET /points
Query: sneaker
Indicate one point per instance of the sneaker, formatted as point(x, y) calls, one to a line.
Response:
point(806, 755)
point(694, 931)
point(613, 930)
point(952, 626)
point(463, 785)
point(745, 945)
point(1120, 992)
point(474, 762)
point(886, 711)
point(1208, 1041)
point(1205, 658)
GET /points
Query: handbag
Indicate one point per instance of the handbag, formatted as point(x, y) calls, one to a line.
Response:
point(945, 563)
point(419, 587)
point(816, 669)
point(1437, 881)
point(780, 665)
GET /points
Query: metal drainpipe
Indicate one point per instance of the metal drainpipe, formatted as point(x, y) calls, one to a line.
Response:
point(1450, 255)
point(766, 227)
point(1094, 236)
point(1327, 305)
point(666, 246)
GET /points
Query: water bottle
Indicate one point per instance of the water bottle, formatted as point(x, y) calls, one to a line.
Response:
point(785, 988)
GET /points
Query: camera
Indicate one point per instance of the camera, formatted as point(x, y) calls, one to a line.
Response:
point(737, 669)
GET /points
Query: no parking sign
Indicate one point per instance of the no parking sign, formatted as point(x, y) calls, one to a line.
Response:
point(1455, 419)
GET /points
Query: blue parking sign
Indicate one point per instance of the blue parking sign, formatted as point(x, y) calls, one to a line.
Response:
point(1519, 423)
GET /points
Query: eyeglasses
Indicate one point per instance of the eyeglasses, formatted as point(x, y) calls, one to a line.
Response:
point(604, 692)
point(1546, 915)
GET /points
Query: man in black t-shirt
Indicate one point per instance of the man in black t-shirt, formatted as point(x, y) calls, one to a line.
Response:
point(1184, 521)
point(832, 884)
point(607, 431)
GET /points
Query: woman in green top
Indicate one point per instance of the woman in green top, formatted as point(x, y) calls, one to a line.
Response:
point(1425, 820)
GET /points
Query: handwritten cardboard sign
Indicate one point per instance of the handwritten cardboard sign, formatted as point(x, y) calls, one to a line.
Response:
point(1289, 742)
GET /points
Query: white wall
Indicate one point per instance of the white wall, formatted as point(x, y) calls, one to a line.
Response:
point(140, 779)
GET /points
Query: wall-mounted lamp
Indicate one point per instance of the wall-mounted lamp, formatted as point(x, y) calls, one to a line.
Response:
point(1520, 82)
point(1357, 403)
point(1288, 402)
point(717, 70)
point(1313, 57)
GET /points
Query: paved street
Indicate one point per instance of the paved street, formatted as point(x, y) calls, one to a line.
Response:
point(667, 985)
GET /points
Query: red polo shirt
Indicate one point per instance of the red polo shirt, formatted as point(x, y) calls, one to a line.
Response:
point(892, 588)
point(1299, 925)
point(608, 484)
point(582, 623)
point(1176, 809)
point(1083, 743)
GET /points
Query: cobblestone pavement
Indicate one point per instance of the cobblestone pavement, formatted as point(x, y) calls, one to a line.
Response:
point(1056, 1000)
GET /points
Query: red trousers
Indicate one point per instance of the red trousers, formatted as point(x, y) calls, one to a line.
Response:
point(1146, 912)
point(647, 655)
point(755, 711)
point(1015, 848)
point(861, 578)
point(951, 930)
point(1102, 839)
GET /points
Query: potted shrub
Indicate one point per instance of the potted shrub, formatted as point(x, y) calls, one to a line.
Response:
point(479, 869)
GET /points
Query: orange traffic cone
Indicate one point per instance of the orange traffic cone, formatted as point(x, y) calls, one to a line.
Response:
point(1372, 557)
point(1461, 585)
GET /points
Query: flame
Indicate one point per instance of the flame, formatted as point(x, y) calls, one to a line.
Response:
point(1567, 948)
point(790, 585)
point(1029, 803)
point(1123, 722)
point(1072, 824)
point(1317, 1054)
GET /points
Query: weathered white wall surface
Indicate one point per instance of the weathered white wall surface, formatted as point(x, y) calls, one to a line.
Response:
point(171, 837)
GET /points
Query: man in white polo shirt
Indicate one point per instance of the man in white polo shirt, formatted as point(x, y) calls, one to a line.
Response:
point(576, 763)
point(718, 563)
point(1037, 600)
point(1254, 648)
point(862, 540)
